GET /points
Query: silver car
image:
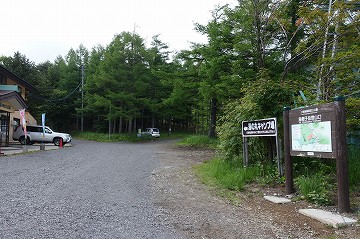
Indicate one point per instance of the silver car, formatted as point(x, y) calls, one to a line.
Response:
point(152, 132)
point(36, 133)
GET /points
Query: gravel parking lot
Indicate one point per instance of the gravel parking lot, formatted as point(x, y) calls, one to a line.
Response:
point(89, 190)
point(123, 190)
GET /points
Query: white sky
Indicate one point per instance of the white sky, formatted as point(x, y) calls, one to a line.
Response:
point(44, 29)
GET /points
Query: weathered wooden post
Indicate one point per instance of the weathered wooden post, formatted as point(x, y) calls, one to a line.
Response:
point(245, 152)
point(278, 155)
point(342, 167)
point(289, 182)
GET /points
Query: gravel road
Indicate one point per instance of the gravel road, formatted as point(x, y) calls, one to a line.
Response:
point(121, 190)
point(89, 190)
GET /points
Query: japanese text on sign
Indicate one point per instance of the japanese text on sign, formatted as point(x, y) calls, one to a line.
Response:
point(263, 127)
point(309, 119)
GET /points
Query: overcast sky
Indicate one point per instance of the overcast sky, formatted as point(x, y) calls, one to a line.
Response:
point(44, 29)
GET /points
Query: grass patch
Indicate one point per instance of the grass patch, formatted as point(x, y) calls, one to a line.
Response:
point(199, 141)
point(101, 137)
point(226, 174)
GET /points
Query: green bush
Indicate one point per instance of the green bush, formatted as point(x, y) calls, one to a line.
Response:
point(316, 178)
point(257, 102)
point(308, 166)
point(269, 174)
point(315, 188)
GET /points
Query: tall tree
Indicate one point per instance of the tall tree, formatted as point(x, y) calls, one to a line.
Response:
point(123, 80)
point(216, 61)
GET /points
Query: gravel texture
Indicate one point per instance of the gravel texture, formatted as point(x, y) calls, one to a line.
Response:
point(202, 211)
point(89, 190)
point(125, 190)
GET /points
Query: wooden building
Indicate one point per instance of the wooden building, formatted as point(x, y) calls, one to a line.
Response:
point(13, 92)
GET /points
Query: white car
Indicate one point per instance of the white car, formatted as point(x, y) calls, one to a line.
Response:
point(35, 134)
point(153, 132)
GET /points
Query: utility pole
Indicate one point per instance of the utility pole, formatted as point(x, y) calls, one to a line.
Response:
point(82, 97)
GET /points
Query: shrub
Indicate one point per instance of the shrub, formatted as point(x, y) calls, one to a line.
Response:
point(315, 188)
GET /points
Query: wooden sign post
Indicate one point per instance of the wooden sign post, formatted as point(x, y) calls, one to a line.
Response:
point(318, 131)
point(342, 164)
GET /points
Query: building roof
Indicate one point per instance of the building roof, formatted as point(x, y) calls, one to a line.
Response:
point(16, 78)
point(14, 98)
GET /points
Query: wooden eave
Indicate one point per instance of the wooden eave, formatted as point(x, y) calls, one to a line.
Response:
point(17, 79)
point(14, 98)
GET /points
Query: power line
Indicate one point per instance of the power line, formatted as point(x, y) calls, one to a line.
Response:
point(354, 93)
point(58, 100)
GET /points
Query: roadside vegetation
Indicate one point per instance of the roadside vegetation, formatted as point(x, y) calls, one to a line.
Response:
point(199, 141)
point(314, 179)
point(103, 137)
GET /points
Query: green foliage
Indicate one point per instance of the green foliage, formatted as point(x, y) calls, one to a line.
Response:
point(316, 178)
point(353, 114)
point(309, 166)
point(263, 98)
point(315, 188)
point(332, 46)
point(269, 174)
point(226, 174)
point(199, 141)
point(354, 167)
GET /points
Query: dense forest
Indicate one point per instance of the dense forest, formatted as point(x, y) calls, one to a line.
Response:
point(260, 56)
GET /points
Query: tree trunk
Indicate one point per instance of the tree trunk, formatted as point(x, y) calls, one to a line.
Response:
point(259, 37)
point(153, 120)
point(113, 127)
point(213, 109)
point(120, 125)
point(130, 126)
point(135, 125)
point(320, 93)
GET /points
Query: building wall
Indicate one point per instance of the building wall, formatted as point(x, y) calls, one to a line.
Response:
point(15, 119)
point(9, 112)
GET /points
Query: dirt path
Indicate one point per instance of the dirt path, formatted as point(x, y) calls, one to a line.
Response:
point(200, 212)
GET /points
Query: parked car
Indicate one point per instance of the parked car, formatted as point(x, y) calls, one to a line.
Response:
point(35, 134)
point(151, 132)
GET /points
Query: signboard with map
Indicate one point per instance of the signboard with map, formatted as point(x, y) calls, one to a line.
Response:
point(318, 131)
point(312, 131)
